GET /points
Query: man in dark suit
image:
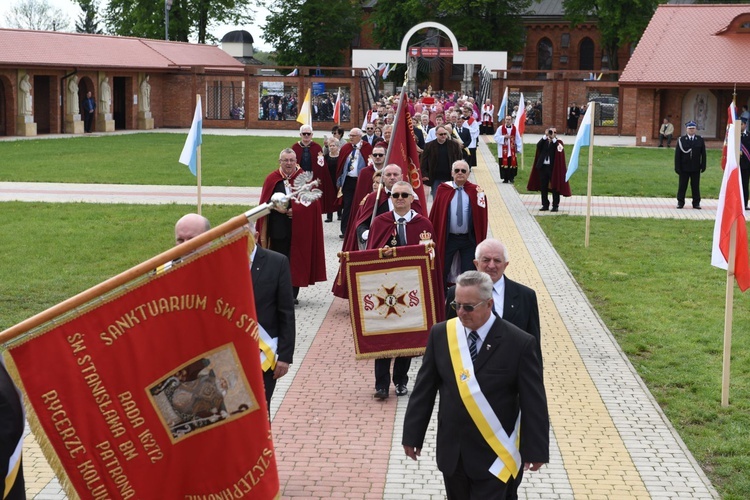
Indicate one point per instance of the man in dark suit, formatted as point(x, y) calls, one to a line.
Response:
point(689, 163)
point(89, 106)
point(745, 159)
point(11, 430)
point(480, 359)
point(437, 158)
point(513, 301)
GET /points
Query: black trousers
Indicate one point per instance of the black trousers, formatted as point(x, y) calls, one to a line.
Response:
point(459, 486)
point(695, 187)
point(463, 244)
point(350, 185)
point(472, 159)
point(545, 176)
point(508, 173)
point(745, 173)
point(383, 372)
point(88, 119)
point(269, 384)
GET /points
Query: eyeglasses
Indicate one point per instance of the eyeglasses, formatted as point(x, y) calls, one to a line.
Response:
point(466, 307)
point(445, 133)
point(288, 160)
point(369, 129)
point(306, 133)
point(377, 155)
point(400, 195)
point(459, 171)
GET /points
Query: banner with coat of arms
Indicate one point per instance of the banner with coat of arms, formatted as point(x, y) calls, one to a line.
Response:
point(393, 301)
point(155, 390)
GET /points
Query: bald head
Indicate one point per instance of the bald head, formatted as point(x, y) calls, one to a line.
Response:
point(190, 226)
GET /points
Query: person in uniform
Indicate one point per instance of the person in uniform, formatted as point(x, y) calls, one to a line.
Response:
point(689, 164)
point(548, 173)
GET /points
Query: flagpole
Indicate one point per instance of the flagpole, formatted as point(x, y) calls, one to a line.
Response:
point(198, 164)
point(591, 173)
point(338, 94)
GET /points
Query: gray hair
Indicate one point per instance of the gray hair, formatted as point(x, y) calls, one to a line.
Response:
point(287, 151)
point(403, 183)
point(490, 242)
point(305, 128)
point(480, 280)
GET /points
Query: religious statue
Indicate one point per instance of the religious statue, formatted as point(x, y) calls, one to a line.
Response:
point(73, 108)
point(145, 101)
point(105, 96)
point(24, 96)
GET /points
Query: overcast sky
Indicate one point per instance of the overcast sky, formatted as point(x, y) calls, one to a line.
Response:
point(74, 12)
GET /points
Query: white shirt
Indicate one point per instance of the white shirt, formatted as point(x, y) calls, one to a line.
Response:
point(498, 295)
point(482, 331)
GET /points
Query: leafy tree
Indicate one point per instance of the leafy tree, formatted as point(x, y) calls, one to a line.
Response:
point(619, 21)
point(311, 33)
point(88, 22)
point(36, 15)
point(145, 18)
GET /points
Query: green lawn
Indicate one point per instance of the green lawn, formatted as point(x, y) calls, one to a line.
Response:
point(626, 171)
point(652, 283)
point(141, 159)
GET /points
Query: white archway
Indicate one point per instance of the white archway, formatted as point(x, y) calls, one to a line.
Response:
point(492, 60)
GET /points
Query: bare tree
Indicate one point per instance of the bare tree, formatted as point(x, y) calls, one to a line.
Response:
point(36, 15)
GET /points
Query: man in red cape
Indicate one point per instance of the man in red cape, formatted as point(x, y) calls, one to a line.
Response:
point(391, 175)
point(310, 159)
point(352, 160)
point(295, 231)
point(403, 226)
point(454, 236)
point(506, 137)
point(363, 188)
point(548, 173)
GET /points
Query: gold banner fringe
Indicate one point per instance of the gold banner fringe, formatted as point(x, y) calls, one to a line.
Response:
point(398, 353)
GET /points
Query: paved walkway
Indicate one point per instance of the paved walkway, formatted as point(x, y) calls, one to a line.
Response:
point(609, 437)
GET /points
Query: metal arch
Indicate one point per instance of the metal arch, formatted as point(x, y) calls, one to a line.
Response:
point(492, 60)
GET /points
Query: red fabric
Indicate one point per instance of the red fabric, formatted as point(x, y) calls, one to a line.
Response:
point(384, 227)
point(440, 218)
point(320, 172)
point(337, 109)
point(559, 169)
point(307, 253)
point(346, 150)
point(403, 152)
point(94, 397)
point(507, 152)
point(393, 300)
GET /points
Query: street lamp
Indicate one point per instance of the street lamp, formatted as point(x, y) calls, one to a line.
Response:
point(167, 7)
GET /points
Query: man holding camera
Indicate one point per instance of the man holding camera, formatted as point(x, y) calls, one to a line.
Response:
point(548, 173)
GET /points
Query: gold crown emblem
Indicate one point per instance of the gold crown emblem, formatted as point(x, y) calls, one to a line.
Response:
point(424, 236)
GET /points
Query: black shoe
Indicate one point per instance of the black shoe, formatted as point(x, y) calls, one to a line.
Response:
point(505, 181)
point(544, 209)
point(296, 302)
point(341, 236)
point(680, 206)
point(381, 394)
point(329, 219)
point(554, 209)
point(401, 390)
point(696, 207)
point(660, 145)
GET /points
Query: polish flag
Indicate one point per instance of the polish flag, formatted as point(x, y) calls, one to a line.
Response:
point(337, 109)
point(731, 210)
point(520, 120)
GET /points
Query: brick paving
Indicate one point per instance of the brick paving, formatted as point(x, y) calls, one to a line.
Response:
point(609, 437)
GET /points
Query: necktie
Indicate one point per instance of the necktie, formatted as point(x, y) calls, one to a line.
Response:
point(402, 231)
point(473, 337)
point(460, 207)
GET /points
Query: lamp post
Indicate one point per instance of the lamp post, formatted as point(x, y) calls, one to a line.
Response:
point(167, 7)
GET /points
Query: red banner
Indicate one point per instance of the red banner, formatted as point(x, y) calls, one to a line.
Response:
point(155, 391)
point(393, 301)
point(403, 151)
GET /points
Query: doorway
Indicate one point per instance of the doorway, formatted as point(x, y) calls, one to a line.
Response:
point(42, 100)
point(119, 102)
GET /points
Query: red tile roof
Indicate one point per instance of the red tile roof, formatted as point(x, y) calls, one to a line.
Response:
point(22, 48)
point(691, 45)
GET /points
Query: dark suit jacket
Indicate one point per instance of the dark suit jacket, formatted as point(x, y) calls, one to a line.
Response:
point(429, 158)
point(510, 374)
point(520, 307)
point(744, 160)
point(420, 137)
point(274, 299)
point(694, 157)
point(11, 430)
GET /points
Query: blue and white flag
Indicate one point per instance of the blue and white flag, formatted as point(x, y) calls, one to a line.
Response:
point(582, 139)
point(189, 153)
point(503, 112)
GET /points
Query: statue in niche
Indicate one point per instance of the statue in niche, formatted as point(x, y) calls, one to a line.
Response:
point(73, 108)
point(145, 101)
point(24, 96)
point(105, 96)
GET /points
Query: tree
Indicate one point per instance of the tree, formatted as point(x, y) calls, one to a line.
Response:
point(36, 15)
point(187, 18)
point(88, 22)
point(619, 21)
point(312, 33)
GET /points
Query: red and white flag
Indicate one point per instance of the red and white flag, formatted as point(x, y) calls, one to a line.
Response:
point(520, 120)
point(731, 210)
point(730, 121)
point(337, 108)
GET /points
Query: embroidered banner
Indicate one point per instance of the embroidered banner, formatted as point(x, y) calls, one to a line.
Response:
point(393, 301)
point(155, 390)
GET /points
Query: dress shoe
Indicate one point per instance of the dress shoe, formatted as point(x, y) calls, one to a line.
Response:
point(696, 207)
point(401, 390)
point(381, 394)
point(554, 209)
point(296, 302)
point(544, 209)
point(329, 219)
point(341, 236)
point(680, 206)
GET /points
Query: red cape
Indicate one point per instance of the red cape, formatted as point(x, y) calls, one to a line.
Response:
point(346, 150)
point(559, 169)
point(307, 253)
point(320, 172)
point(440, 218)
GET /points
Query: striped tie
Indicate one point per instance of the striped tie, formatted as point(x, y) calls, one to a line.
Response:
point(473, 337)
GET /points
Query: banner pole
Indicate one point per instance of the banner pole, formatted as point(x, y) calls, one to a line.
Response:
point(134, 272)
point(728, 314)
point(591, 174)
point(198, 175)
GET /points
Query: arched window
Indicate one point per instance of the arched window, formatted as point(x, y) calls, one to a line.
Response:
point(544, 54)
point(586, 54)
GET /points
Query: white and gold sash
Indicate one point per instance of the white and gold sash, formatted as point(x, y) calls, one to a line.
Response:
point(268, 347)
point(508, 462)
